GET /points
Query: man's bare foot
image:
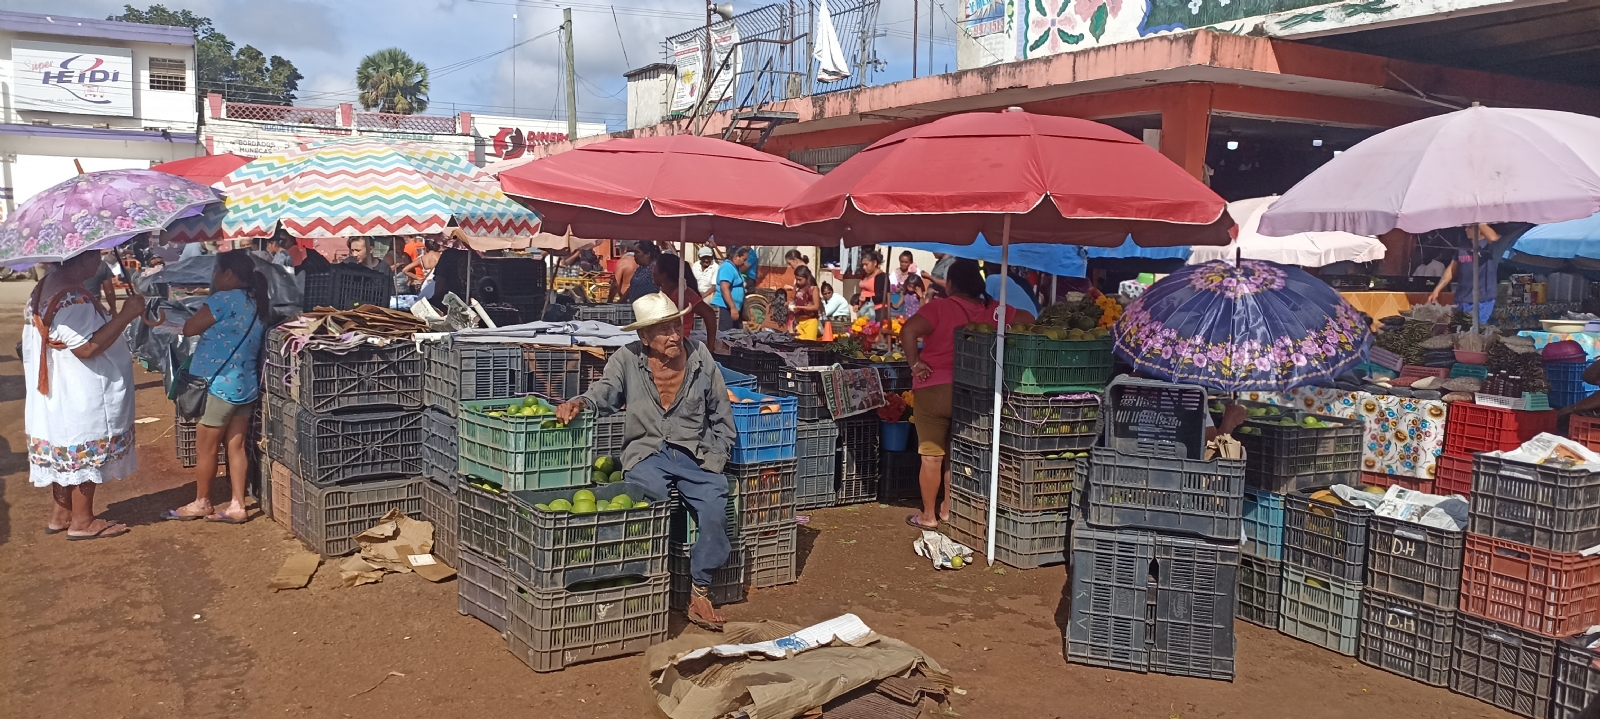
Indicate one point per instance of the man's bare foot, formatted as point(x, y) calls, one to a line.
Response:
point(702, 614)
point(97, 529)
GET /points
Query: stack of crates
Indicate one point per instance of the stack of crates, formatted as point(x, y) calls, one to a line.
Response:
point(1472, 428)
point(1528, 589)
point(1155, 546)
point(1050, 418)
point(763, 491)
point(1288, 450)
point(345, 435)
point(817, 451)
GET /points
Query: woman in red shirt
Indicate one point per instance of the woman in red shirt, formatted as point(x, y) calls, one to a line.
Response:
point(932, 372)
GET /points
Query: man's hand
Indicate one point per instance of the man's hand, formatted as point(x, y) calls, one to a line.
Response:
point(719, 347)
point(734, 313)
point(1232, 416)
point(569, 410)
point(133, 306)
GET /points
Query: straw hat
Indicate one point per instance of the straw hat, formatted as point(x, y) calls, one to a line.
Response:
point(653, 309)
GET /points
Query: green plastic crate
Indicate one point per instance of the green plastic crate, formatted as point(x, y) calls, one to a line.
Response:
point(1035, 364)
point(517, 453)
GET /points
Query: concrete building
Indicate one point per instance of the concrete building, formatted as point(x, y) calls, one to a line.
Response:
point(96, 93)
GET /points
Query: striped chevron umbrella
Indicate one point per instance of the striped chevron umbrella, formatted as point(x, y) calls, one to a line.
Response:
point(354, 187)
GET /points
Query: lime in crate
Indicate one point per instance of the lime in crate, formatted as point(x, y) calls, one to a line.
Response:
point(519, 445)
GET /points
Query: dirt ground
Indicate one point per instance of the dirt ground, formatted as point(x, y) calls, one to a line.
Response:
point(174, 619)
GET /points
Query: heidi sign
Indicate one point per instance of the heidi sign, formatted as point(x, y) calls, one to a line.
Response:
point(76, 79)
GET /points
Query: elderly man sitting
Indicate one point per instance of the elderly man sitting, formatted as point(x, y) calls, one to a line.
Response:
point(678, 431)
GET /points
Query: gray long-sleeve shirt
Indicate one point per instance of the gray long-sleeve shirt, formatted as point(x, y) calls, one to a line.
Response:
point(699, 420)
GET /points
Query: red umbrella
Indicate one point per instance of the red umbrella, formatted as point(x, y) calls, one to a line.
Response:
point(1059, 180)
point(1013, 176)
point(205, 169)
point(675, 189)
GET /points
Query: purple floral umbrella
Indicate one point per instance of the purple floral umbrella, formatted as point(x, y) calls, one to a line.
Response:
point(97, 211)
point(1260, 326)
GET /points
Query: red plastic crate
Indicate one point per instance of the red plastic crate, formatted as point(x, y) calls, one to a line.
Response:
point(1474, 428)
point(1585, 431)
point(1551, 594)
point(1453, 475)
point(1411, 373)
point(1380, 479)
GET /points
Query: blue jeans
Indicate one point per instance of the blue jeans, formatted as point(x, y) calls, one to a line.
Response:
point(705, 492)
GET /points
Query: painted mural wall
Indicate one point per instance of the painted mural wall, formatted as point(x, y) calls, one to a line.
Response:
point(1037, 28)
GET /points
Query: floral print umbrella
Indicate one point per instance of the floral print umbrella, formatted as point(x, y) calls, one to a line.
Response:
point(1255, 327)
point(97, 211)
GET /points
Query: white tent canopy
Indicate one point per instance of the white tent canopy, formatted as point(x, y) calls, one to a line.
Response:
point(1307, 249)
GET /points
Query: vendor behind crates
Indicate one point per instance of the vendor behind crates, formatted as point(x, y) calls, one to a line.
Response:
point(678, 430)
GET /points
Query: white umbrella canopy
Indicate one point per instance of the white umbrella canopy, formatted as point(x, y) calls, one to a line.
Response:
point(1305, 249)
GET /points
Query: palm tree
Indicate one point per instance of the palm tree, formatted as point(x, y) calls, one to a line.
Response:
point(390, 81)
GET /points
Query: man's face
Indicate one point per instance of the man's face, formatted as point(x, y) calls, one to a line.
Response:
point(705, 261)
point(360, 251)
point(664, 339)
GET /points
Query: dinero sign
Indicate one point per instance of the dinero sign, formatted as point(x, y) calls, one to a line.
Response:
point(76, 79)
point(509, 143)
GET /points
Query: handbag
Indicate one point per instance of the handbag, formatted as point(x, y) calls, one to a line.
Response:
point(189, 391)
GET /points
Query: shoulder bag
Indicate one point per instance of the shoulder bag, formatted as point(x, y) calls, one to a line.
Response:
point(189, 391)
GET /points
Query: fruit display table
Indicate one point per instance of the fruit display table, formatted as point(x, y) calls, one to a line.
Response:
point(1404, 436)
point(1379, 305)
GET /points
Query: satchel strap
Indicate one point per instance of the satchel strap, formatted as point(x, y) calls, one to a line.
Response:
point(42, 322)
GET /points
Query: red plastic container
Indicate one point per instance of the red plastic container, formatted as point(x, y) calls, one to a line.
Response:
point(1474, 428)
point(1554, 595)
point(1379, 479)
point(1453, 475)
point(1584, 430)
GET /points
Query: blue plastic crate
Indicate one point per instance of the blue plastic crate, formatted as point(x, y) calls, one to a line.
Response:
point(763, 436)
point(737, 379)
point(1263, 524)
point(1566, 383)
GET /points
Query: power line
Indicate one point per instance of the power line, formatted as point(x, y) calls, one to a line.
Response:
point(595, 8)
point(620, 42)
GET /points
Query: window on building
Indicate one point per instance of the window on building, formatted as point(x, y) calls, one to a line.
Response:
point(167, 74)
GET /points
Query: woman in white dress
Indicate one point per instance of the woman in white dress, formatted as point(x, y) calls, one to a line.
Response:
point(79, 375)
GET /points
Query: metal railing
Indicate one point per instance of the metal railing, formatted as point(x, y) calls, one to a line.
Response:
point(283, 114)
point(380, 121)
point(775, 51)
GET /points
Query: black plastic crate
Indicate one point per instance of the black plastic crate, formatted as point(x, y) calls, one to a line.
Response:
point(1508, 668)
point(1281, 458)
point(1325, 538)
point(860, 438)
point(183, 440)
point(817, 458)
point(1577, 677)
point(439, 447)
point(439, 509)
point(763, 494)
point(771, 556)
point(1407, 638)
point(549, 630)
point(1141, 413)
point(560, 374)
point(611, 313)
point(1028, 423)
point(455, 371)
point(763, 366)
point(806, 388)
point(1414, 562)
point(1111, 615)
point(1025, 540)
point(553, 550)
point(608, 436)
point(1028, 481)
point(727, 581)
point(485, 520)
point(329, 518)
point(365, 378)
point(481, 586)
point(1320, 610)
point(337, 448)
point(902, 476)
point(1541, 506)
point(1169, 494)
point(276, 379)
point(893, 376)
point(280, 424)
point(1197, 586)
point(345, 286)
point(1260, 590)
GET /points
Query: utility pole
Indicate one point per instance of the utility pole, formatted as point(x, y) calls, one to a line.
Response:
point(513, 64)
point(930, 34)
point(916, 27)
point(572, 79)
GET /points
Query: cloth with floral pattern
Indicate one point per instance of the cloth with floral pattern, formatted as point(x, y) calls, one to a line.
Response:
point(1259, 326)
point(82, 431)
point(97, 211)
point(1510, 317)
point(1404, 436)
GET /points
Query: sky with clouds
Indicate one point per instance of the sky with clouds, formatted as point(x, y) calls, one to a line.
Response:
point(327, 39)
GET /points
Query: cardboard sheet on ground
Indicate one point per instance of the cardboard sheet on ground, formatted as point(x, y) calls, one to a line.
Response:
point(696, 678)
point(397, 543)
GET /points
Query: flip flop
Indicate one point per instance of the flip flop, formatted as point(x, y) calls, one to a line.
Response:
point(705, 624)
point(225, 519)
point(49, 530)
point(911, 519)
point(98, 535)
point(172, 515)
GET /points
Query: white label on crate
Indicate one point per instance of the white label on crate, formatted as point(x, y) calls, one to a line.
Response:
point(421, 560)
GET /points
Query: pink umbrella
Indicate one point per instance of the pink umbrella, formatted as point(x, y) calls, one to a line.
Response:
point(1475, 165)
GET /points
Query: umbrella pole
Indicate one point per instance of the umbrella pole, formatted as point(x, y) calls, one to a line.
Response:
point(683, 252)
point(999, 386)
point(1472, 239)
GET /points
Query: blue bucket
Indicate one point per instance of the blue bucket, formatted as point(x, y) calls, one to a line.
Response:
point(896, 435)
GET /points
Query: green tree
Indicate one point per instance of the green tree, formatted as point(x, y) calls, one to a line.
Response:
point(390, 81)
point(238, 74)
